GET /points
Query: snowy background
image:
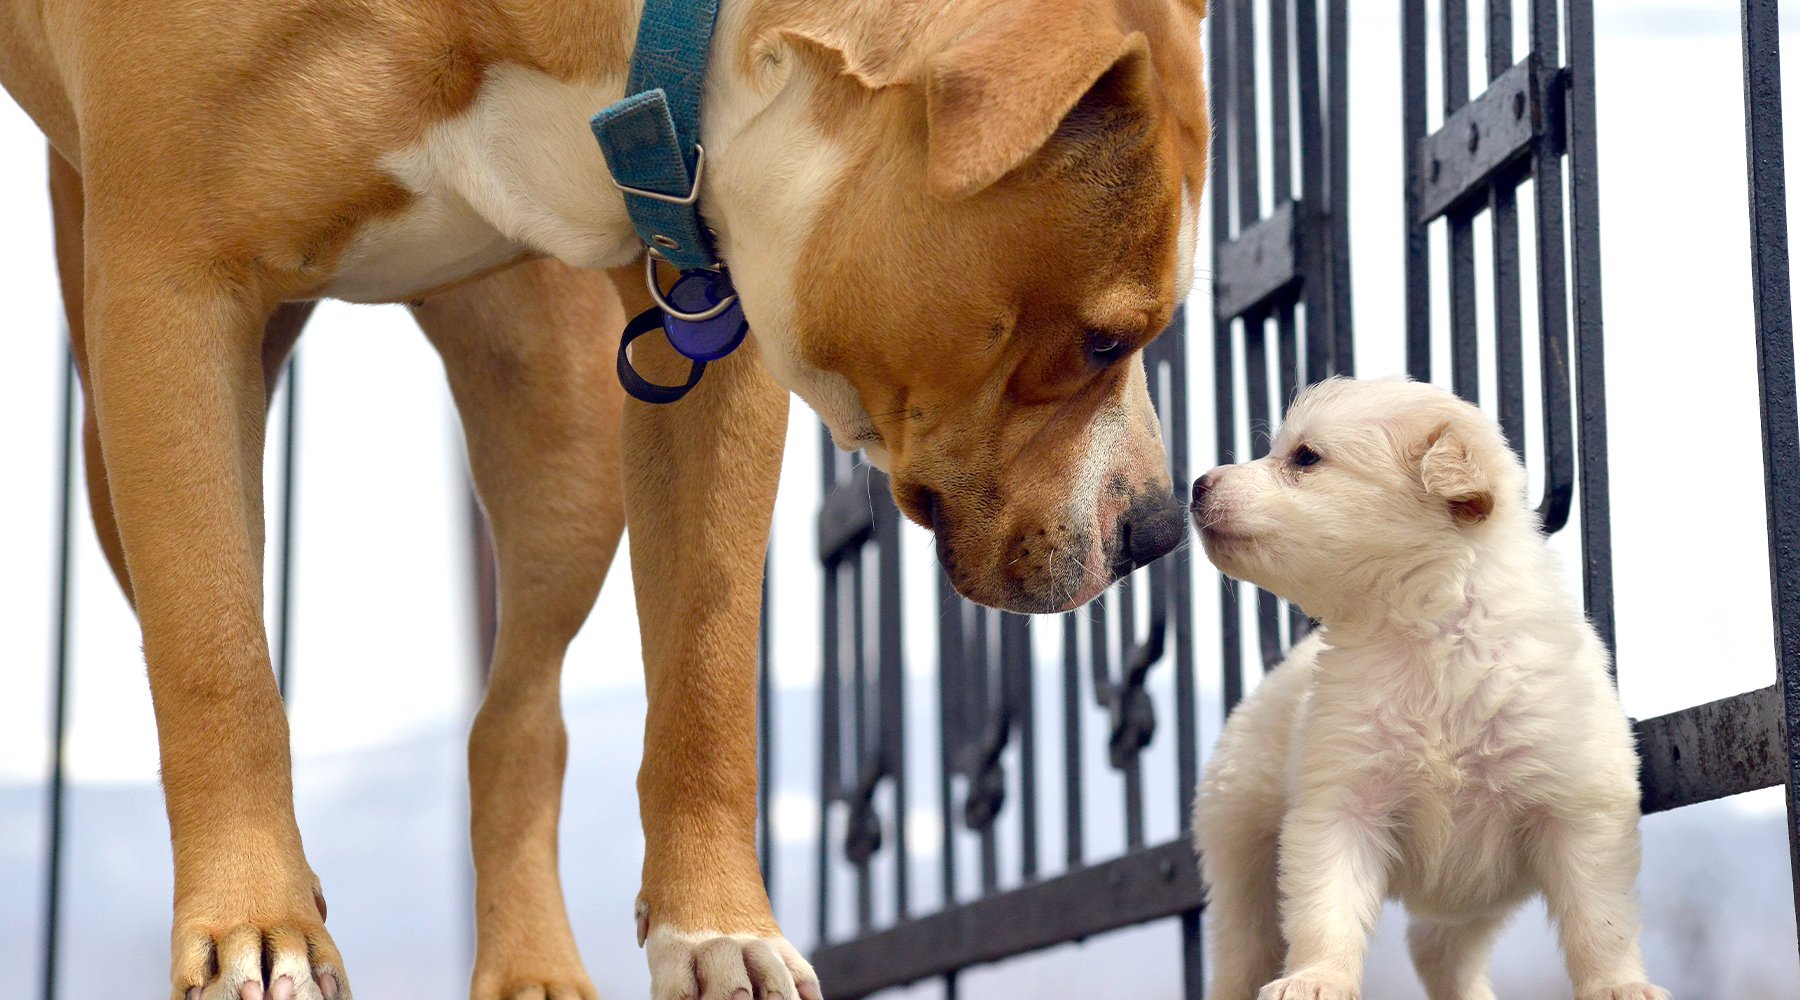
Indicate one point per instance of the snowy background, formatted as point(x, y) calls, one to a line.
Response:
point(384, 681)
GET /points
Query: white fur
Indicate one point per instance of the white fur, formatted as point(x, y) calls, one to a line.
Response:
point(766, 967)
point(1450, 738)
point(519, 172)
point(1186, 238)
point(770, 170)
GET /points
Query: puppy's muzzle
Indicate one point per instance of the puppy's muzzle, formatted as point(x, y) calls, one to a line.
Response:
point(1203, 488)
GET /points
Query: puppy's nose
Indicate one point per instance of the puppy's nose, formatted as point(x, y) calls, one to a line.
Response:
point(1153, 525)
point(1204, 485)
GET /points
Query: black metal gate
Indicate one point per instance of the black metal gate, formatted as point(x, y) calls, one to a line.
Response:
point(1282, 275)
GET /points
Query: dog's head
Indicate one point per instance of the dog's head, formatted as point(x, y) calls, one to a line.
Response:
point(956, 225)
point(1371, 492)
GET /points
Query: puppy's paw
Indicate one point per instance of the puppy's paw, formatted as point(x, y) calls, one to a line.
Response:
point(1626, 991)
point(1305, 987)
point(256, 955)
point(711, 966)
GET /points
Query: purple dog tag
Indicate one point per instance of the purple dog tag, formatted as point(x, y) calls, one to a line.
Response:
point(711, 339)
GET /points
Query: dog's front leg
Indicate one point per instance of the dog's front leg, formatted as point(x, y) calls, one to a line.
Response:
point(1587, 863)
point(1334, 856)
point(700, 489)
point(174, 350)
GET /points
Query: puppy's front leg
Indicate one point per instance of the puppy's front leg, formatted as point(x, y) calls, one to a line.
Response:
point(699, 492)
point(1587, 864)
point(1334, 853)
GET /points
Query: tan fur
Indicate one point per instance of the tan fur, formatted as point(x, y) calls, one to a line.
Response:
point(1012, 184)
point(528, 353)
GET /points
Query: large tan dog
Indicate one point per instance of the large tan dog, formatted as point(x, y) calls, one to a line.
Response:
point(953, 224)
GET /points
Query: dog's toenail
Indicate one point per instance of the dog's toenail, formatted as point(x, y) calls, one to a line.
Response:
point(328, 985)
point(250, 991)
point(282, 989)
point(193, 993)
point(319, 901)
point(741, 994)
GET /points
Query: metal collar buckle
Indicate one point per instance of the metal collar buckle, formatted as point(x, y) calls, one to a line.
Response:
point(652, 254)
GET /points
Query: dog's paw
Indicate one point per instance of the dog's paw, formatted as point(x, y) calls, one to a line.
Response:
point(710, 966)
point(1307, 988)
point(542, 984)
point(282, 957)
point(1626, 991)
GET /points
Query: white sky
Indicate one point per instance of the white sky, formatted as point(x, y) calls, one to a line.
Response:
point(384, 644)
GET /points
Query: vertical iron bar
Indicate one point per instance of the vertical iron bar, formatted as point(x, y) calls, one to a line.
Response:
point(862, 749)
point(1503, 204)
point(59, 711)
point(1193, 966)
point(1287, 353)
point(830, 711)
point(1590, 353)
point(951, 728)
point(765, 731)
point(1179, 566)
point(1553, 321)
point(1418, 237)
point(1015, 655)
point(1281, 121)
point(1315, 218)
point(1465, 358)
point(1134, 769)
point(1248, 169)
point(284, 584)
point(980, 664)
point(1343, 352)
point(1072, 800)
point(1180, 594)
point(1775, 362)
point(1260, 411)
point(1224, 402)
point(892, 708)
point(1289, 378)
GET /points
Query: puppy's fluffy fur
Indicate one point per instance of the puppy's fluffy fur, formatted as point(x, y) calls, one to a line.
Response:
point(1449, 737)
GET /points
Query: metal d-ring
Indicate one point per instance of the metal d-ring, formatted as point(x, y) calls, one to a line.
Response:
point(693, 194)
point(650, 259)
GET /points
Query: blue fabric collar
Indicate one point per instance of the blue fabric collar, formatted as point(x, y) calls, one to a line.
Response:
point(651, 139)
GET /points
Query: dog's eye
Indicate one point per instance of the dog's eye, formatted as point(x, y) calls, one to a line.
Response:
point(1104, 348)
point(1305, 456)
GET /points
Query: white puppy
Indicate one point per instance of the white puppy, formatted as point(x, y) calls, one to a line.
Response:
point(1449, 738)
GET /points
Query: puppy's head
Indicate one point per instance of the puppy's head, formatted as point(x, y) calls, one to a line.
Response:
point(1371, 491)
point(980, 214)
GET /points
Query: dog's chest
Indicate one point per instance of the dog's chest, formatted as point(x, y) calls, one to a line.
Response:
point(518, 173)
point(1461, 759)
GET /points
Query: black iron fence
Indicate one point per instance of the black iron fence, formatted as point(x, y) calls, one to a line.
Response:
point(1022, 857)
point(1524, 141)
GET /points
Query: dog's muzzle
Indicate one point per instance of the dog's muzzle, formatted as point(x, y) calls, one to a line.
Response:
point(1151, 528)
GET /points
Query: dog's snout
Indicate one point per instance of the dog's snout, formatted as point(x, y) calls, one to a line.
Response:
point(1153, 526)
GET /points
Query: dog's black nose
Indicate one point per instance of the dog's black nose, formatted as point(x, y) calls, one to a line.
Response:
point(1153, 525)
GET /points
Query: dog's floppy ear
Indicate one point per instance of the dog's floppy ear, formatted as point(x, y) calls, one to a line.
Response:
point(1450, 471)
point(875, 51)
point(995, 97)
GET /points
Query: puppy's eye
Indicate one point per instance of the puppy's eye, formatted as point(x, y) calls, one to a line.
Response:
point(1104, 348)
point(1305, 456)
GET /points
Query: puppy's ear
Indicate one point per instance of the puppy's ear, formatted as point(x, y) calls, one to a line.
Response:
point(997, 96)
point(1450, 471)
